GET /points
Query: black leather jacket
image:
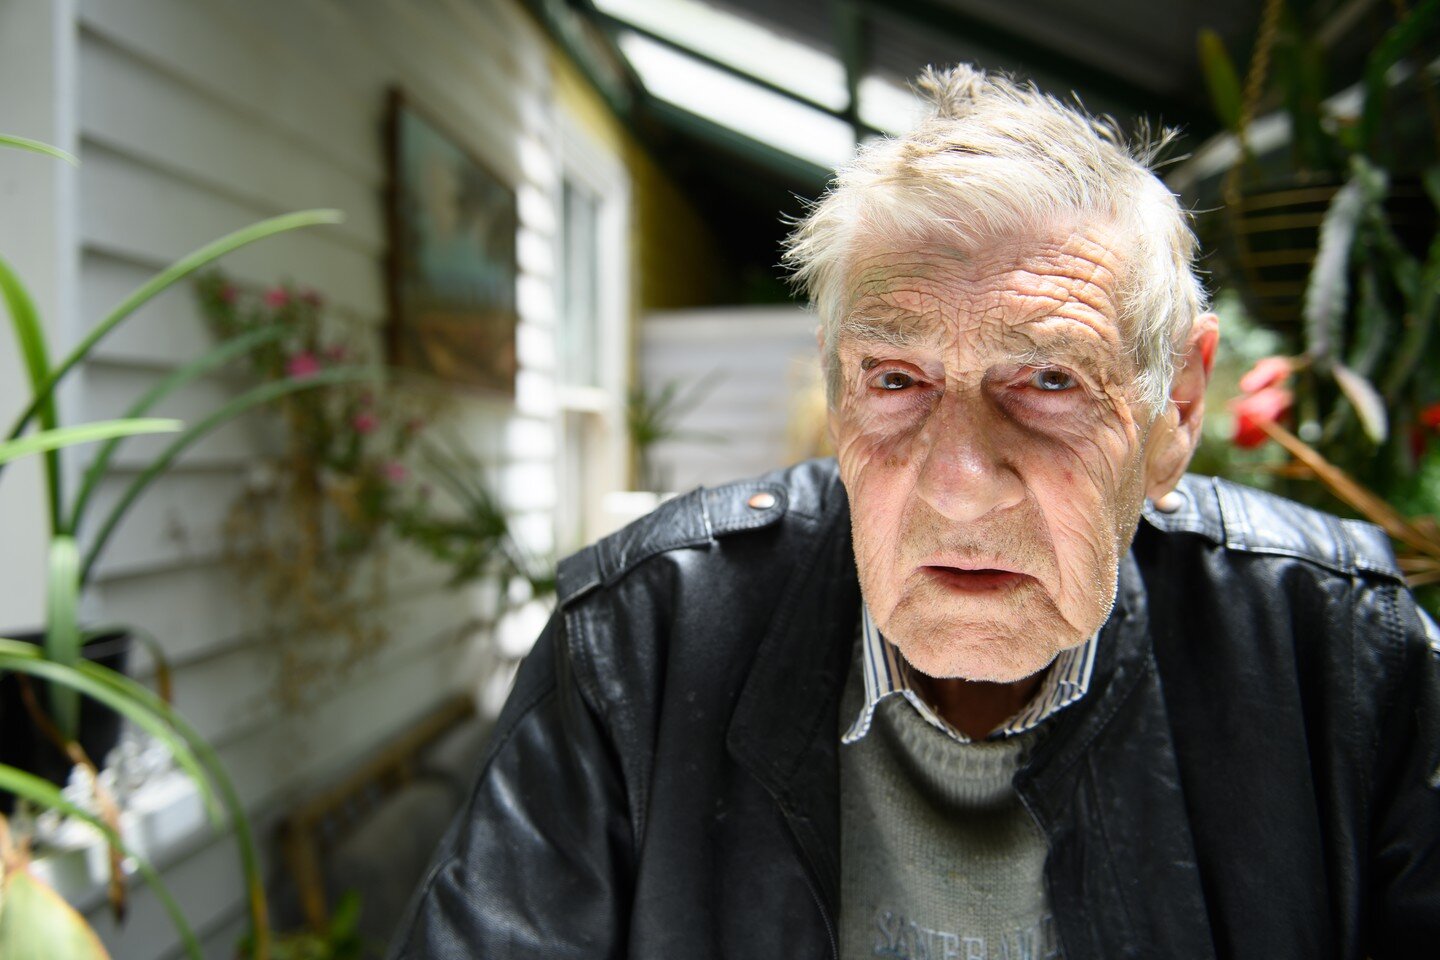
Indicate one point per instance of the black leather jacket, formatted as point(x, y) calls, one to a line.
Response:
point(1253, 773)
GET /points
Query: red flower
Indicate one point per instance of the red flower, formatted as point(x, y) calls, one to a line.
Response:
point(394, 472)
point(365, 423)
point(1263, 406)
point(277, 297)
point(1267, 372)
point(228, 293)
point(1430, 416)
point(302, 364)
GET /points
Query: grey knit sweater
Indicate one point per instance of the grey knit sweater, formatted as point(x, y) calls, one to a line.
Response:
point(939, 860)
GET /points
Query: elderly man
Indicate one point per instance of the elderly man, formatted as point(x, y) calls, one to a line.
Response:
point(1000, 682)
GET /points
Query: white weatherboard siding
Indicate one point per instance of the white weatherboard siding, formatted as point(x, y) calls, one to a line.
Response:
point(761, 360)
point(193, 118)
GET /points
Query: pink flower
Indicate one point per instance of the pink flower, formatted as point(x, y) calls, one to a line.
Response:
point(302, 364)
point(1262, 406)
point(277, 297)
point(365, 423)
point(1267, 372)
point(394, 472)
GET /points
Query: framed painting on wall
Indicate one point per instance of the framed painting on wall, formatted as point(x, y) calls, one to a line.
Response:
point(452, 257)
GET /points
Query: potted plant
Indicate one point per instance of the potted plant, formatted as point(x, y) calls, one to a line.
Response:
point(1335, 243)
point(34, 922)
point(653, 417)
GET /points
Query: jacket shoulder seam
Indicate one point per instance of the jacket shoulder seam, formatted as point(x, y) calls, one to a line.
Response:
point(1233, 517)
point(695, 519)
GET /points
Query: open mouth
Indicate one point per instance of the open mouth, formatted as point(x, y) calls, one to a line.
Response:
point(975, 581)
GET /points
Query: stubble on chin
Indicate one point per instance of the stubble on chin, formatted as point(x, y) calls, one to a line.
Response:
point(996, 639)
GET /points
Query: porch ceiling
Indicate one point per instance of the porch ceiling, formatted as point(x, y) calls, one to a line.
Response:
point(1127, 58)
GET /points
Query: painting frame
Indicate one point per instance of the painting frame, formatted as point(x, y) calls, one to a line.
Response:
point(453, 267)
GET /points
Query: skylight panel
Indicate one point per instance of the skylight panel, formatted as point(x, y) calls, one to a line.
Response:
point(737, 104)
point(740, 43)
point(888, 106)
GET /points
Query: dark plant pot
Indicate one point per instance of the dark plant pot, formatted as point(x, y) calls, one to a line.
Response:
point(1273, 236)
point(24, 746)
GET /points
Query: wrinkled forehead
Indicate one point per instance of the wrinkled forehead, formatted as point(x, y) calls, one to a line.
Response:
point(1059, 286)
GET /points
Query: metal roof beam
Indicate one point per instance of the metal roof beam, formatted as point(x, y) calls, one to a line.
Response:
point(800, 172)
point(850, 41)
point(943, 18)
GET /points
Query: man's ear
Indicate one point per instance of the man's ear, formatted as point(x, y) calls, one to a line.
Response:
point(1176, 431)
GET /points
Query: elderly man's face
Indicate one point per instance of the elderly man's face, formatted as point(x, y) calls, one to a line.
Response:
point(992, 448)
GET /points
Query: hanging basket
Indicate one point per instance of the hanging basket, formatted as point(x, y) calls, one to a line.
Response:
point(1274, 232)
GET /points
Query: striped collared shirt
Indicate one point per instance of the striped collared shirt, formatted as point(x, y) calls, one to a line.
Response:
point(887, 673)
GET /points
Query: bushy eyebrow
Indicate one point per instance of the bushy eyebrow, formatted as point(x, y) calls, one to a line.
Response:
point(1031, 348)
point(1065, 347)
point(889, 330)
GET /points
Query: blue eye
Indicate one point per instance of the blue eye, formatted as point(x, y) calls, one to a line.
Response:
point(894, 380)
point(1052, 380)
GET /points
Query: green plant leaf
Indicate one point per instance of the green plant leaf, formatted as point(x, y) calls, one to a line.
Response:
point(119, 693)
point(183, 742)
point(62, 629)
point(30, 337)
point(346, 916)
point(35, 146)
point(1366, 400)
point(1302, 60)
point(1221, 79)
point(210, 360)
point(44, 794)
point(83, 433)
point(1422, 306)
point(166, 278)
point(1375, 324)
point(1431, 180)
point(37, 924)
point(262, 394)
point(1397, 42)
point(148, 640)
point(1328, 288)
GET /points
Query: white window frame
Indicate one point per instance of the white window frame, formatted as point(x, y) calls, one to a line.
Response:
point(605, 466)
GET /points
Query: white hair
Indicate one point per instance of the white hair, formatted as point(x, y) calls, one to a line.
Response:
point(997, 159)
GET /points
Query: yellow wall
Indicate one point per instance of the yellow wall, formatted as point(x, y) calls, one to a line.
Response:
point(676, 258)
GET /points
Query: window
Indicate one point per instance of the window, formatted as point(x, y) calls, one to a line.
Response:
point(578, 346)
point(592, 280)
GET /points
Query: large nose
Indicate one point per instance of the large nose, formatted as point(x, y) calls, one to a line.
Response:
point(966, 473)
